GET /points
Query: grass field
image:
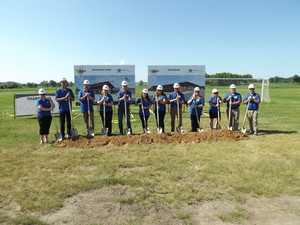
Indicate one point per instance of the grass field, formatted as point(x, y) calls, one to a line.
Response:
point(35, 180)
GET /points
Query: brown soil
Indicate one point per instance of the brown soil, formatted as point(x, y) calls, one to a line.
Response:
point(153, 138)
point(103, 206)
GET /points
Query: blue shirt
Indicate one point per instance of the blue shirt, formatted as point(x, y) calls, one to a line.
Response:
point(120, 95)
point(64, 105)
point(146, 103)
point(45, 104)
point(84, 103)
point(214, 102)
point(198, 101)
point(107, 100)
point(252, 104)
point(173, 95)
point(235, 98)
point(161, 107)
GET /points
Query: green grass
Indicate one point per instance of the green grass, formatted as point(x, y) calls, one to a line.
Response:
point(237, 215)
point(39, 178)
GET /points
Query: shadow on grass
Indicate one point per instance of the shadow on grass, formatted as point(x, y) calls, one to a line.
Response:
point(277, 132)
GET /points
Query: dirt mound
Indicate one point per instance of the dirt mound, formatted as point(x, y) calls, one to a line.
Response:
point(154, 138)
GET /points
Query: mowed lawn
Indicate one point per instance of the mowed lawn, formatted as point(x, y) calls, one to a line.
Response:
point(35, 179)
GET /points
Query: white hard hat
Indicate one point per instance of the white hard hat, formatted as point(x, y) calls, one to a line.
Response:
point(159, 88)
point(42, 91)
point(86, 82)
point(197, 89)
point(214, 91)
point(145, 91)
point(105, 87)
point(176, 85)
point(63, 79)
point(251, 86)
point(124, 83)
point(232, 86)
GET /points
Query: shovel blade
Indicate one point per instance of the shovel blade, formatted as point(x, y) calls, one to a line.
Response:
point(104, 131)
point(92, 132)
point(200, 129)
point(243, 130)
point(74, 133)
point(218, 128)
point(127, 131)
point(179, 130)
point(58, 137)
point(159, 130)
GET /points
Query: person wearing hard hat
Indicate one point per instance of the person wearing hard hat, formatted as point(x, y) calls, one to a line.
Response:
point(175, 97)
point(62, 96)
point(160, 98)
point(144, 104)
point(235, 100)
point(106, 100)
point(214, 107)
point(87, 97)
point(254, 100)
point(44, 105)
point(124, 95)
point(196, 102)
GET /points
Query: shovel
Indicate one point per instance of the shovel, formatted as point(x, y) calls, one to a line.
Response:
point(218, 127)
point(104, 129)
point(229, 117)
point(179, 128)
point(146, 130)
point(91, 131)
point(127, 130)
point(158, 129)
point(243, 129)
point(73, 131)
point(198, 129)
point(58, 135)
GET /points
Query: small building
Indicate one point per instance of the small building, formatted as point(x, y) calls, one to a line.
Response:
point(97, 88)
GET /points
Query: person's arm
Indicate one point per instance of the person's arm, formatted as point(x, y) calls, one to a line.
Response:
point(40, 107)
point(182, 102)
point(164, 101)
point(61, 98)
point(91, 96)
point(173, 99)
point(128, 99)
point(190, 100)
point(111, 103)
point(120, 99)
point(220, 100)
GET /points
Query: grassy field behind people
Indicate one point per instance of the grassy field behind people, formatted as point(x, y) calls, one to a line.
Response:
point(36, 179)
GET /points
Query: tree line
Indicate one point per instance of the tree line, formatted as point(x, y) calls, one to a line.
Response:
point(44, 83)
point(277, 79)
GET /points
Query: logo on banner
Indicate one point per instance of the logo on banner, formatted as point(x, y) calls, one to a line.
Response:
point(154, 71)
point(80, 71)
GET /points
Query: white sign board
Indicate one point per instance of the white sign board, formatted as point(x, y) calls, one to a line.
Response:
point(25, 105)
point(187, 76)
point(99, 75)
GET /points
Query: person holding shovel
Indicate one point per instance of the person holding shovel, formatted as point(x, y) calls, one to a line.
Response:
point(233, 100)
point(63, 96)
point(44, 106)
point(160, 99)
point(196, 103)
point(106, 102)
point(144, 104)
point(176, 98)
point(124, 95)
point(86, 98)
point(252, 100)
point(214, 108)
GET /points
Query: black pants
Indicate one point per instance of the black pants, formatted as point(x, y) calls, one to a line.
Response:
point(108, 119)
point(161, 119)
point(194, 123)
point(63, 116)
point(144, 123)
point(44, 122)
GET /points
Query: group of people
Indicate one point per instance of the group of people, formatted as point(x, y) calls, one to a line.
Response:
point(64, 96)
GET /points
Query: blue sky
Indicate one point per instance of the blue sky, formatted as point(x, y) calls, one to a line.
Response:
point(42, 40)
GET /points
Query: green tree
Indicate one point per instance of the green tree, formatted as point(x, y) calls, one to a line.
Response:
point(296, 79)
point(141, 83)
point(52, 83)
point(276, 79)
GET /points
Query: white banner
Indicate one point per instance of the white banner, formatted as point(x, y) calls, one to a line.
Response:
point(25, 105)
